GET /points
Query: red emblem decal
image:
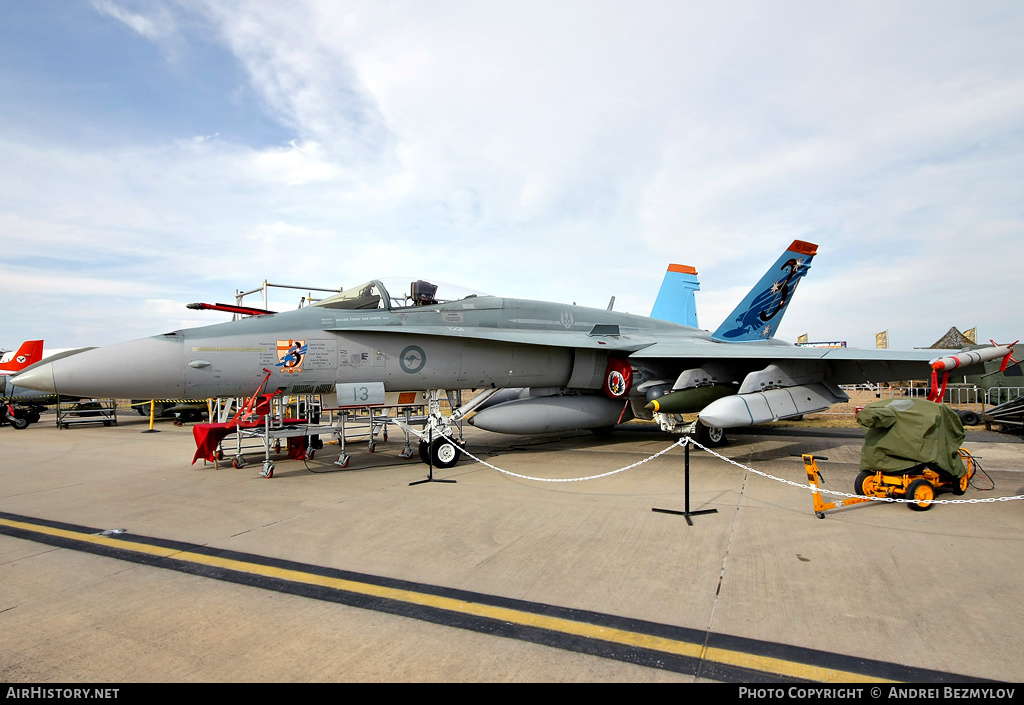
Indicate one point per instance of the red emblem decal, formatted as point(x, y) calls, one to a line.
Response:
point(618, 379)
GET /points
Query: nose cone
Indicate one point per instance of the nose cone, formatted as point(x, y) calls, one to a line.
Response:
point(38, 378)
point(149, 368)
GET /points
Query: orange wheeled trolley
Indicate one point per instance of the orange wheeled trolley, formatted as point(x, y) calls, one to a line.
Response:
point(919, 484)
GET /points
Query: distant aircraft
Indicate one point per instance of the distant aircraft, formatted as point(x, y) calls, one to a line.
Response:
point(30, 352)
point(584, 368)
point(22, 406)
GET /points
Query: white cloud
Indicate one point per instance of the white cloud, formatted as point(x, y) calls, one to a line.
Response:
point(156, 26)
point(295, 164)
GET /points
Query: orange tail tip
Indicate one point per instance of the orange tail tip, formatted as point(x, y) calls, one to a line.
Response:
point(804, 248)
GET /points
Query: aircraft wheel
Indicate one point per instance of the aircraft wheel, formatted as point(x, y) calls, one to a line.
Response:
point(18, 422)
point(424, 453)
point(33, 417)
point(865, 484)
point(710, 436)
point(445, 453)
point(919, 491)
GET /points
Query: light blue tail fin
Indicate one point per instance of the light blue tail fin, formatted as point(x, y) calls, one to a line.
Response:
point(759, 314)
point(675, 302)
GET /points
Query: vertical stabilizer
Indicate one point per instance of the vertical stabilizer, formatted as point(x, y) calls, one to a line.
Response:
point(30, 352)
point(675, 302)
point(759, 314)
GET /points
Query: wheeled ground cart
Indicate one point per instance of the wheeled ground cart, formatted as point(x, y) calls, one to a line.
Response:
point(920, 483)
point(912, 451)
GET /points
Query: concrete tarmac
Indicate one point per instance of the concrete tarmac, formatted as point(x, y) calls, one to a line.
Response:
point(222, 576)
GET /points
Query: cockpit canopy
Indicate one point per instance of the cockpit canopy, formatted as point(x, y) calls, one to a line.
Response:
point(376, 294)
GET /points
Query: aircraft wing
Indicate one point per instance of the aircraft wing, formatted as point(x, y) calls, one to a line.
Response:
point(846, 365)
point(599, 338)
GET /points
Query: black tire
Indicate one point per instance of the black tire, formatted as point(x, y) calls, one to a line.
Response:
point(960, 484)
point(859, 484)
point(18, 422)
point(710, 436)
point(445, 453)
point(424, 453)
point(969, 418)
point(920, 490)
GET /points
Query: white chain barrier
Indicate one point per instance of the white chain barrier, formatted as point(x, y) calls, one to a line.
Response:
point(680, 443)
point(687, 440)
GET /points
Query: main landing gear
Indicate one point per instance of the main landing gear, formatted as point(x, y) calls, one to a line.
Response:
point(441, 445)
point(442, 453)
point(709, 436)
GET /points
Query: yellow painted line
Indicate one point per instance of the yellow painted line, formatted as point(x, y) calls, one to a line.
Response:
point(504, 614)
point(795, 669)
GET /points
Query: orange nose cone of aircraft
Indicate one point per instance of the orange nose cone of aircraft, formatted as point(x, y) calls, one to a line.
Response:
point(149, 368)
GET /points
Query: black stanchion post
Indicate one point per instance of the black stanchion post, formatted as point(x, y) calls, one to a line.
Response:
point(686, 514)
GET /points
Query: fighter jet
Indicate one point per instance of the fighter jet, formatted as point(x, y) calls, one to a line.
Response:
point(584, 368)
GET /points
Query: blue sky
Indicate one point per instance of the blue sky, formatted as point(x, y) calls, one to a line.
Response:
point(158, 153)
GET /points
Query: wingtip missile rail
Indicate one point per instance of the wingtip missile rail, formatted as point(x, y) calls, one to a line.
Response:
point(947, 363)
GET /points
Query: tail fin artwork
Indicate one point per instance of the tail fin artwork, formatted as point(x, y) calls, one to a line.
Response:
point(675, 302)
point(30, 352)
point(759, 314)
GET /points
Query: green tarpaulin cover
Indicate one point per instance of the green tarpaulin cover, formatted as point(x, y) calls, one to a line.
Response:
point(902, 433)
